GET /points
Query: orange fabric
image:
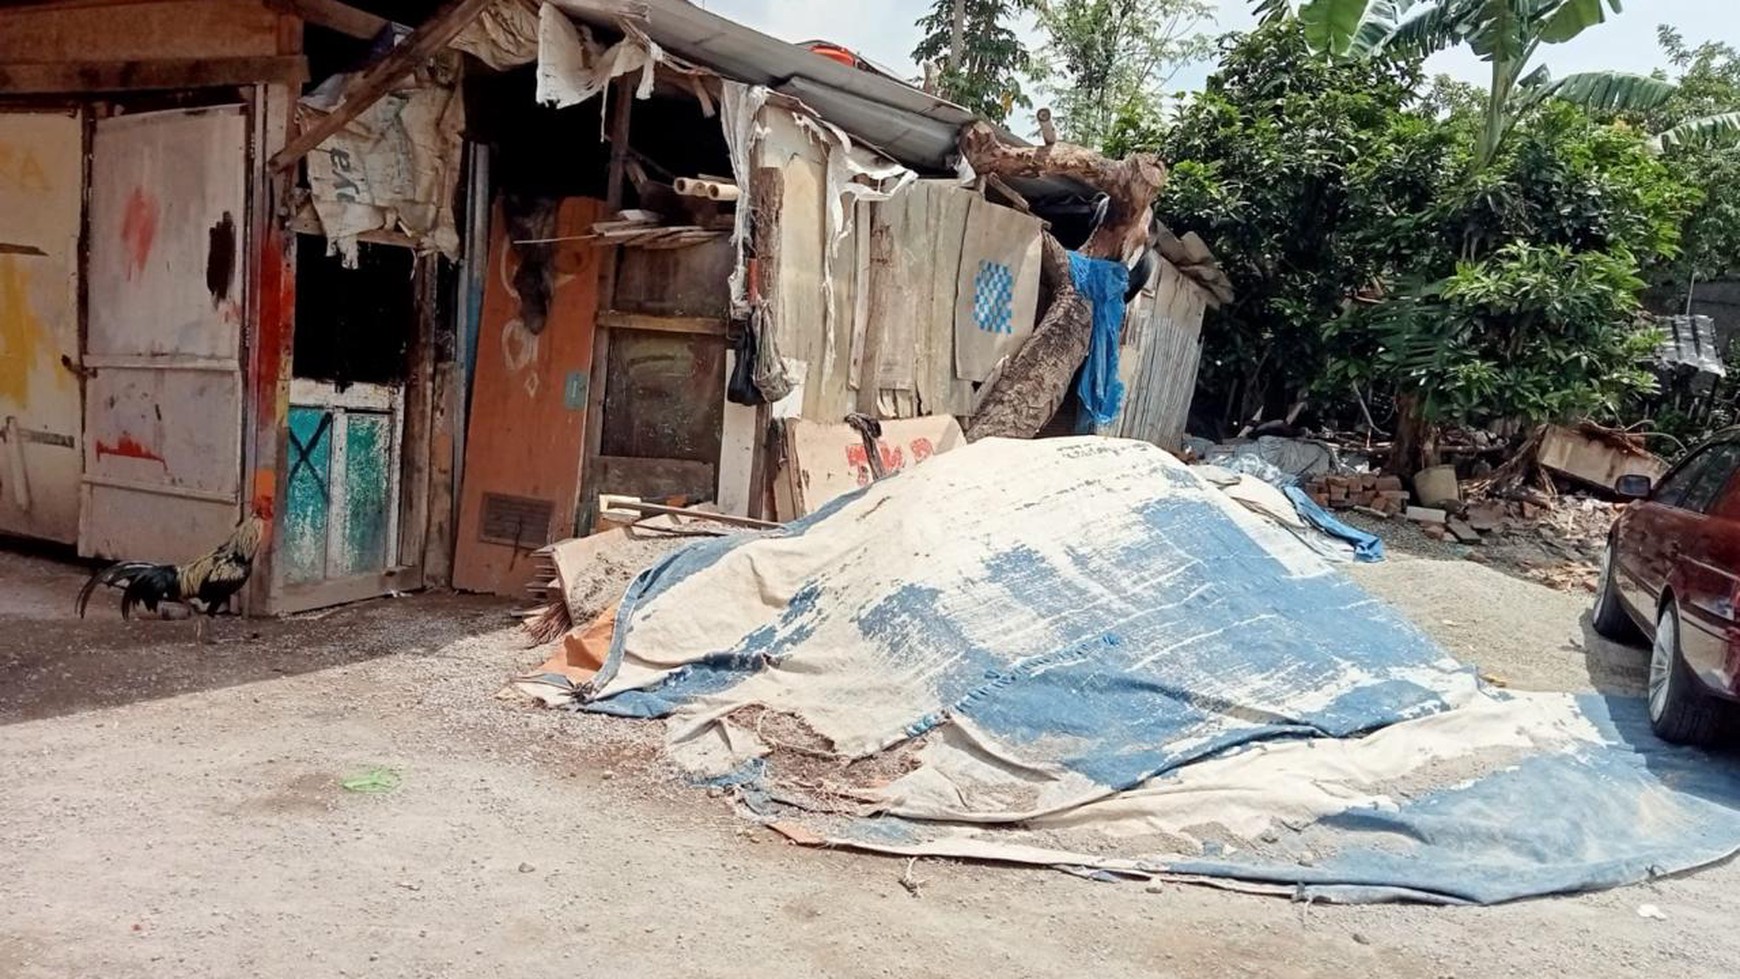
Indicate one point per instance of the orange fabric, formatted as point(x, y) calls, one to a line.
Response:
point(585, 647)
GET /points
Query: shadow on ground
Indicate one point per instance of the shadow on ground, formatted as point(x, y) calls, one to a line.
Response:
point(53, 663)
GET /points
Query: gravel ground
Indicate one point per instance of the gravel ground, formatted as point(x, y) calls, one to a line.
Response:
point(176, 811)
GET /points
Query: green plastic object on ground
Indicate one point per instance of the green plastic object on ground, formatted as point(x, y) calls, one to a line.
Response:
point(374, 780)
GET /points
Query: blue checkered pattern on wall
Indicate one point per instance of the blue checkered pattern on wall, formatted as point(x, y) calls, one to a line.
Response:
point(994, 298)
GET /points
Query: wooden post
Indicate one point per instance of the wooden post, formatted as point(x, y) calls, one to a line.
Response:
point(621, 108)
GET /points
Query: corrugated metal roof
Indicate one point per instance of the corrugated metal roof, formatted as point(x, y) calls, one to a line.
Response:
point(910, 125)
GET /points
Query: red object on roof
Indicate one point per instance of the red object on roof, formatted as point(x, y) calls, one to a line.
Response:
point(835, 52)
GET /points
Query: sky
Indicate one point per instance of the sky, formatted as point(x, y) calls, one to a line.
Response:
point(884, 32)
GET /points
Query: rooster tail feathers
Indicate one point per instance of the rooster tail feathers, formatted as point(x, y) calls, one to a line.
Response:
point(143, 581)
point(114, 576)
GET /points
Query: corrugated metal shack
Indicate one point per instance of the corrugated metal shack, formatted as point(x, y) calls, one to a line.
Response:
point(425, 291)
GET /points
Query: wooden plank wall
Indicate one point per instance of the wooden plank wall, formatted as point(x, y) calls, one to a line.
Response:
point(802, 325)
point(1163, 342)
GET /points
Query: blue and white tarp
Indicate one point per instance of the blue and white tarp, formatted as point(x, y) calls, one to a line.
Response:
point(1077, 653)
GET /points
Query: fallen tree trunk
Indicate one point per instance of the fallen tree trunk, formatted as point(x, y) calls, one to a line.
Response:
point(1131, 183)
point(1026, 391)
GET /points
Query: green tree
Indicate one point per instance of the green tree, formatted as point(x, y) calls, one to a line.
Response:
point(1708, 87)
point(992, 62)
point(1311, 180)
point(1110, 58)
point(1370, 256)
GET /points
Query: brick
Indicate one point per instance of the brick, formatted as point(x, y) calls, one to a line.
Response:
point(1389, 483)
point(1427, 515)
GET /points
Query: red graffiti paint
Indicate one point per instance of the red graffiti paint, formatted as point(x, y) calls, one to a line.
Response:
point(859, 461)
point(138, 229)
point(128, 447)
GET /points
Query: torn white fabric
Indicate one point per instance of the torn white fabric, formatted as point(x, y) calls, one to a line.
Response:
point(570, 70)
point(393, 168)
point(504, 36)
point(739, 110)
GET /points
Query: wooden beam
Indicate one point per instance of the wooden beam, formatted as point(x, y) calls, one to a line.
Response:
point(377, 80)
point(708, 325)
point(122, 76)
point(333, 16)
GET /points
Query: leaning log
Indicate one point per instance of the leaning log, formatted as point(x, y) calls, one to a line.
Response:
point(1027, 390)
point(1131, 183)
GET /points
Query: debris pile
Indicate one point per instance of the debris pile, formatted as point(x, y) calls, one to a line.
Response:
point(1382, 496)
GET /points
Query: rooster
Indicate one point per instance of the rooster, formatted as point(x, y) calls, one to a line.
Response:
point(204, 585)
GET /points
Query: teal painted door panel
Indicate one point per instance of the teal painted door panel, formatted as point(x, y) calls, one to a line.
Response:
point(367, 480)
point(302, 544)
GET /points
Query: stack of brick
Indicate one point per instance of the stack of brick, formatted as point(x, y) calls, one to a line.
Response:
point(1368, 491)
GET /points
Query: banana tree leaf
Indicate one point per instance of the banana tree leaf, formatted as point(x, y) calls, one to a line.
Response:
point(1708, 131)
point(1573, 17)
point(1607, 91)
point(1331, 24)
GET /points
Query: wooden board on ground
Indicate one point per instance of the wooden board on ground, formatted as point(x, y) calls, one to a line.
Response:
point(1572, 453)
point(528, 412)
point(821, 462)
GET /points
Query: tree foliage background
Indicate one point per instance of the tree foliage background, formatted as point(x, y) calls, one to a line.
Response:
point(1377, 264)
point(994, 62)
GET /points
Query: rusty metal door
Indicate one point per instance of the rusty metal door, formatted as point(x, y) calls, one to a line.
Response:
point(41, 200)
point(163, 406)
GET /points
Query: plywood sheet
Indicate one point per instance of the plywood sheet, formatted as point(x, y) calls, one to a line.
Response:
point(824, 461)
point(41, 194)
point(163, 411)
point(997, 297)
point(528, 405)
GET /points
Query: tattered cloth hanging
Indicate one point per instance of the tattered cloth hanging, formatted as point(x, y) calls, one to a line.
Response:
point(1103, 282)
point(504, 36)
point(394, 167)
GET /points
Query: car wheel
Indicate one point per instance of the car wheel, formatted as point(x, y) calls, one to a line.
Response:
point(1678, 710)
point(1609, 617)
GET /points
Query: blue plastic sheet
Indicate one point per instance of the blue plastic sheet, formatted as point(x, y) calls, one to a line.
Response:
point(1366, 547)
point(1103, 283)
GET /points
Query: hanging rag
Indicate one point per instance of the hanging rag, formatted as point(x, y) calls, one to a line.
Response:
point(1103, 283)
point(1366, 547)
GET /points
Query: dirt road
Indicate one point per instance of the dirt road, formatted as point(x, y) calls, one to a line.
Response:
point(176, 811)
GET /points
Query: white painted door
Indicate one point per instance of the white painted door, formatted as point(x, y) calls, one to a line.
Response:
point(163, 417)
point(41, 196)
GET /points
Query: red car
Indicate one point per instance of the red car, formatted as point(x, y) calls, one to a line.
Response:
point(1672, 573)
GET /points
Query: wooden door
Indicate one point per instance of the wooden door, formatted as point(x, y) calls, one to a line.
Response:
point(339, 527)
point(41, 206)
point(527, 426)
point(163, 406)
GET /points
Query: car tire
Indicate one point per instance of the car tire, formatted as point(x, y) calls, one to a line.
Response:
point(1679, 711)
point(1609, 618)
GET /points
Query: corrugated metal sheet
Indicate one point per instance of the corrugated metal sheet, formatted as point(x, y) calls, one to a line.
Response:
point(1692, 341)
point(163, 412)
point(1161, 349)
